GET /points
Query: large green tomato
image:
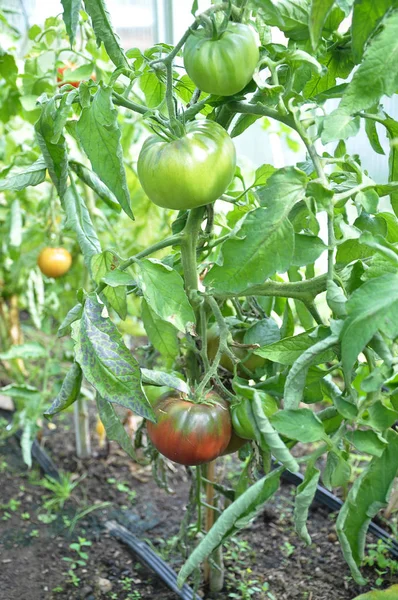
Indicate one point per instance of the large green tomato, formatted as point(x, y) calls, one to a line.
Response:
point(190, 171)
point(222, 66)
point(240, 420)
point(190, 433)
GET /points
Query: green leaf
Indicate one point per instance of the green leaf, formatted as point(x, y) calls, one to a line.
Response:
point(153, 88)
point(78, 220)
point(307, 248)
point(336, 299)
point(62, 114)
point(99, 135)
point(263, 241)
point(55, 154)
point(94, 182)
point(267, 436)
point(338, 64)
point(161, 334)
point(373, 137)
point(390, 594)
point(106, 362)
point(21, 177)
point(27, 392)
point(115, 430)
point(372, 307)
point(368, 495)
point(163, 289)
point(290, 16)
point(71, 17)
point(237, 515)
point(319, 12)
point(73, 315)
point(295, 381)
point(289, 349)
point(381, 417)
point(304, 496)
point(242, 123)
point(30, 350)
point(264, 332)
point(337, 471)
point(366, 17)
point(116, 278)
point(367, 441)
point(301, 425)
point(69, 391)
point(105, 33)
point(377, 75)
point(339, 125)
point(101, 264)
point(160, 379)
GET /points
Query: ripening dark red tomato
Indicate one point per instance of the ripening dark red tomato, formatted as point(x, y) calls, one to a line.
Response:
point(190, 433)
point(54, 262)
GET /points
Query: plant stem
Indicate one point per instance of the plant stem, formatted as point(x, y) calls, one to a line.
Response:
point(169, 91)
point(82, 431)
point(121, 101)
point(195, 25)
point(189, 238)
point(305, 290)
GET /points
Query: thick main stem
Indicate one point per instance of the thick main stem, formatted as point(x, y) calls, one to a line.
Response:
point(189, 241)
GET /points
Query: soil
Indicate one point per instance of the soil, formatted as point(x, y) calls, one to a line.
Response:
point(33, 552)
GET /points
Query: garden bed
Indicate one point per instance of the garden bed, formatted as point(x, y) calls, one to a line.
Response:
point(33, 552)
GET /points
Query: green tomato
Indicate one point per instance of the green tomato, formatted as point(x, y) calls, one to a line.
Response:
point(190, 171)
point(241, 422)
point(222, 66)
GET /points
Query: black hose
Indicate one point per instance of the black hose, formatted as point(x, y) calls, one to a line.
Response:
point(323, 496)
point(150, 559)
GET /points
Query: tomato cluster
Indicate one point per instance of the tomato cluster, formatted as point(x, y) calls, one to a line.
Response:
point(196, 168)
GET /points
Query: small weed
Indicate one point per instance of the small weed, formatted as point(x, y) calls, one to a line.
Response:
point(77, 547)
point(378, 557)
point(47, 518)
point(58, 590)
point(6, 516)
point(3, 466)
point(123, 487)
point(12, 505)
point(61, 490)
point(126, 584)
point(25, 516)
point(34, 533)
point(287, 549)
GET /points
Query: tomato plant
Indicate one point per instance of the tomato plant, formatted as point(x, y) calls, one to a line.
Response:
point(287, 273)
point(223, 65)
point(190, 433)
point(180, 173)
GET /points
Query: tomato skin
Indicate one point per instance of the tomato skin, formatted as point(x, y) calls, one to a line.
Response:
point(191, 171)
point(223, 66)
point(189, 433)
point(240, 420)
point(247, 359)
point(54, 262)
